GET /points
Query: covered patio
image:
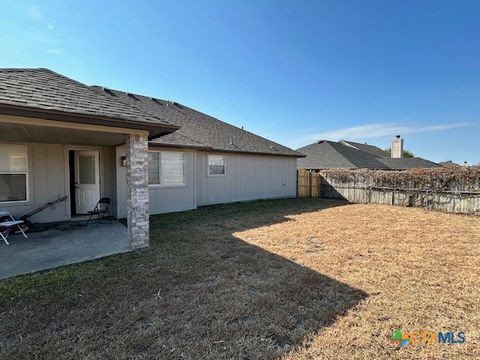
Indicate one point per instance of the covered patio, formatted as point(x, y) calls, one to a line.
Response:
point(61, 244)
point(60, 139)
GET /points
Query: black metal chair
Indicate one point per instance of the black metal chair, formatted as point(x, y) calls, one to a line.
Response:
point(101, 210)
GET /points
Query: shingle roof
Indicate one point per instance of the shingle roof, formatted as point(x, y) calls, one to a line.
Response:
point(371, 149)
point(408, 163)
point(334, 155)
point(46, 91)
point(198, 129)
point(448, 163)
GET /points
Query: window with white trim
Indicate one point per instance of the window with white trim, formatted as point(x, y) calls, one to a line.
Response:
point(13, 173)
point(166, 168)
point(216, 165)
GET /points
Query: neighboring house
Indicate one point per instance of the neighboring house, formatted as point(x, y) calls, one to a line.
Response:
point(344, 154)
point(60, 137)
point(448, 163)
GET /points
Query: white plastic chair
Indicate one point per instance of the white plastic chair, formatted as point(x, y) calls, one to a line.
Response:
point(7, 226)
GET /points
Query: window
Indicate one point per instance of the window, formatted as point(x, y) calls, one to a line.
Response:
point(13, 173)
point(166, 168)
point(216, 165)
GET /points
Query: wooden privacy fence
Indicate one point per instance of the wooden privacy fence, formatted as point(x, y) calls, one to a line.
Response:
point(308, 184)
point(454, 190)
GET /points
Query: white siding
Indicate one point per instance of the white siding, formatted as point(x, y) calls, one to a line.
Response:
point(48, 179)
point(247, 177)
point(163, 199)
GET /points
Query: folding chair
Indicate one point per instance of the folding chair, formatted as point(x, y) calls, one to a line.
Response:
point(102, 209)
point(9, 225)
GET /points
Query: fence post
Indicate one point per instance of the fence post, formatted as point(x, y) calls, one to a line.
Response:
point(310, 184)
point(296, 181)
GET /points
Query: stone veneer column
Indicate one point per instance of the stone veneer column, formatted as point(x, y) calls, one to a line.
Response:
point(137, 191)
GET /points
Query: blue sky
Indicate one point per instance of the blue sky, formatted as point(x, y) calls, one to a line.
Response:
point(292, 71)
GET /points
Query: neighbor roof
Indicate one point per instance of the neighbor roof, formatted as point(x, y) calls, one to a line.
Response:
point(326, 154)
point(333, 155)
point(198, 130)
point(44, 93)
point(408, 163)
point(448, 163)
point(371, 149)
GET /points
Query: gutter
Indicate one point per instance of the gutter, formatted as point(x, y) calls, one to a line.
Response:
point(153, 129)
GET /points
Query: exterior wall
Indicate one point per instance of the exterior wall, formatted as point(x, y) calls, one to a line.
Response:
point(46, 164)
point(48, 181)
point(163, 199)
point(247, 177)
point(109, 177)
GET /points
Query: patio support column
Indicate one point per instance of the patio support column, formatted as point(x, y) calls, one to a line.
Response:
point(137, 191)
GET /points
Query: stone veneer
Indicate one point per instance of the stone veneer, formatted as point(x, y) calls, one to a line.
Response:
point(137, 191)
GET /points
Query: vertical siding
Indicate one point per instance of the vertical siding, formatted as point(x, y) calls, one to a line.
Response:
point(248, 177)
point(46, 183)
point(121, 182)
point(48, 178)
point(109, 176)
point(162, 199)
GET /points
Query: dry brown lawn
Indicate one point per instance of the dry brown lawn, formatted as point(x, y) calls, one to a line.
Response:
point(286, 279)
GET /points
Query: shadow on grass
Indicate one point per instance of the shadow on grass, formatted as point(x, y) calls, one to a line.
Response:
point(198, 293)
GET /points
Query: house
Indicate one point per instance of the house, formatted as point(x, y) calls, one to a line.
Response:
point(59, 137)
point(448, 163)
point(345, 154)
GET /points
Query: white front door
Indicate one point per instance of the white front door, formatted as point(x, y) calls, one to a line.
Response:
point(87, 182)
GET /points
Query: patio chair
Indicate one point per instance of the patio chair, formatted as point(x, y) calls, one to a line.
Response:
point(101, 210)
point(8, 223)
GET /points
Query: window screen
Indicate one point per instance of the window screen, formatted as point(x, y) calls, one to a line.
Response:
point(166, 168)
point(13, 172)
point(216, 165)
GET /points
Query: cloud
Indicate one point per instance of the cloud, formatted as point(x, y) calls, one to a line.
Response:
point(48, 34)
point(378, 130)
point(35, 13)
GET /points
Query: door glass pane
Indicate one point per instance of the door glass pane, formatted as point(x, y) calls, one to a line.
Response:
point(153, 168)
point(13, 187)
point(86, 167)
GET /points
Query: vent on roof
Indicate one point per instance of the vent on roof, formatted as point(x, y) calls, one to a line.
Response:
point(130, 95)
point(156, 101)
point(173, 103)
point(273, 148)
point(108, 91)
point(231, 143)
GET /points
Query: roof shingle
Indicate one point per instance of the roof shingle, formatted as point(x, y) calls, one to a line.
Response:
point(46, 91)
point(198, 129)
point(338, 155)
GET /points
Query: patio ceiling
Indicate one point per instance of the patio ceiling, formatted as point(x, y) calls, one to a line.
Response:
point(10, 132)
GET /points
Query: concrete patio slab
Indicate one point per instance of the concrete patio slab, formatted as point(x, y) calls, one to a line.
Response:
point(63, 244)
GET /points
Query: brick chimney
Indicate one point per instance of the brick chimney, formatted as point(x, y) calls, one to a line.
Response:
point(397, 147)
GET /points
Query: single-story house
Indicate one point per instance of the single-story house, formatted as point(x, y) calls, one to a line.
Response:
point(345, 154)
point(59, 137)
point(448, 163)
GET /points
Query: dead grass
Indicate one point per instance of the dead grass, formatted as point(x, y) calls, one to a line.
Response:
point(290, 279)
